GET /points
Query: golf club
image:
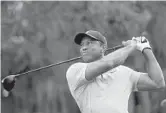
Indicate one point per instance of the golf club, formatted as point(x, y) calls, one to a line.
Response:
point(9, 81)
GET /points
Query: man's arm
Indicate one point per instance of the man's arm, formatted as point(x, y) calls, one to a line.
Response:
point(109, 61)
point(154, 78)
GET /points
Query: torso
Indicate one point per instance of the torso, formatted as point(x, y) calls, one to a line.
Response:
point(108, 93)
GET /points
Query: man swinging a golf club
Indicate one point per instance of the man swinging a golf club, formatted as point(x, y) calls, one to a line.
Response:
point(101, 84)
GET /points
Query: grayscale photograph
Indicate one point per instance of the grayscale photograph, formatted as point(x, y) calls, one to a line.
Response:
point(83, 56)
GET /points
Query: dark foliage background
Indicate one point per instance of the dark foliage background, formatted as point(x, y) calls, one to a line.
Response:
point(38, 33)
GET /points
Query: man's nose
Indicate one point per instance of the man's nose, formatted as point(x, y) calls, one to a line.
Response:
point(84, 48)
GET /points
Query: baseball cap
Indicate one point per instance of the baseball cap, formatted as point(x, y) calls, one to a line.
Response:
point(91, 34)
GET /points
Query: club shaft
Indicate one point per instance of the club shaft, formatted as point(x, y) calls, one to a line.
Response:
point(51, 65)
point(69, 60)
point(115, 48)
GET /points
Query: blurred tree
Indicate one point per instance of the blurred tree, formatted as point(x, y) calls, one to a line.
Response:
point(36, 34)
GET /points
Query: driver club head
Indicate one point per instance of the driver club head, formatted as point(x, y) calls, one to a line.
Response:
point(9, 82)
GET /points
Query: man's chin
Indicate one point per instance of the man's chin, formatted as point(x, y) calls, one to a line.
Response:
point(87, 59)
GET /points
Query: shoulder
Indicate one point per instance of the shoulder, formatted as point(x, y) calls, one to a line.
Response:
point(133, 74)
point(121, 70)
point(122, 67)
point(125, 69)
point(75, 67)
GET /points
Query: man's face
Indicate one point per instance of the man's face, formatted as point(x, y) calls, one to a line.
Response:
point(91, 49)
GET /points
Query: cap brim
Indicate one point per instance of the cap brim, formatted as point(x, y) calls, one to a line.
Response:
point(80, 36)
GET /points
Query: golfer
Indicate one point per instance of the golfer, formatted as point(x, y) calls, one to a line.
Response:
point(101, 84)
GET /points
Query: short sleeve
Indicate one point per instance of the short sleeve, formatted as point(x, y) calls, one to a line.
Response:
point(76, 75)
point(134, 79)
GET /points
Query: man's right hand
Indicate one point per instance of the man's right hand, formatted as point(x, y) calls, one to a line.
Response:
point(130, 43)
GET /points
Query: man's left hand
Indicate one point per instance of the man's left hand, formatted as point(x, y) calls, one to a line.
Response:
point(142, 43)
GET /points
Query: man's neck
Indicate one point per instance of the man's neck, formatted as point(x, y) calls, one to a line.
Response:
point(97, 59)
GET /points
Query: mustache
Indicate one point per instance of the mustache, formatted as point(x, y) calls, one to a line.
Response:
point(87, 51)
point(84, 53)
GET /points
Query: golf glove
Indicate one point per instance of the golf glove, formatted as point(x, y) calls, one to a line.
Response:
point(142, 43)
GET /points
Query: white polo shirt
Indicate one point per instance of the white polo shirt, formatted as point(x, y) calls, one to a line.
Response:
point(107, 93)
